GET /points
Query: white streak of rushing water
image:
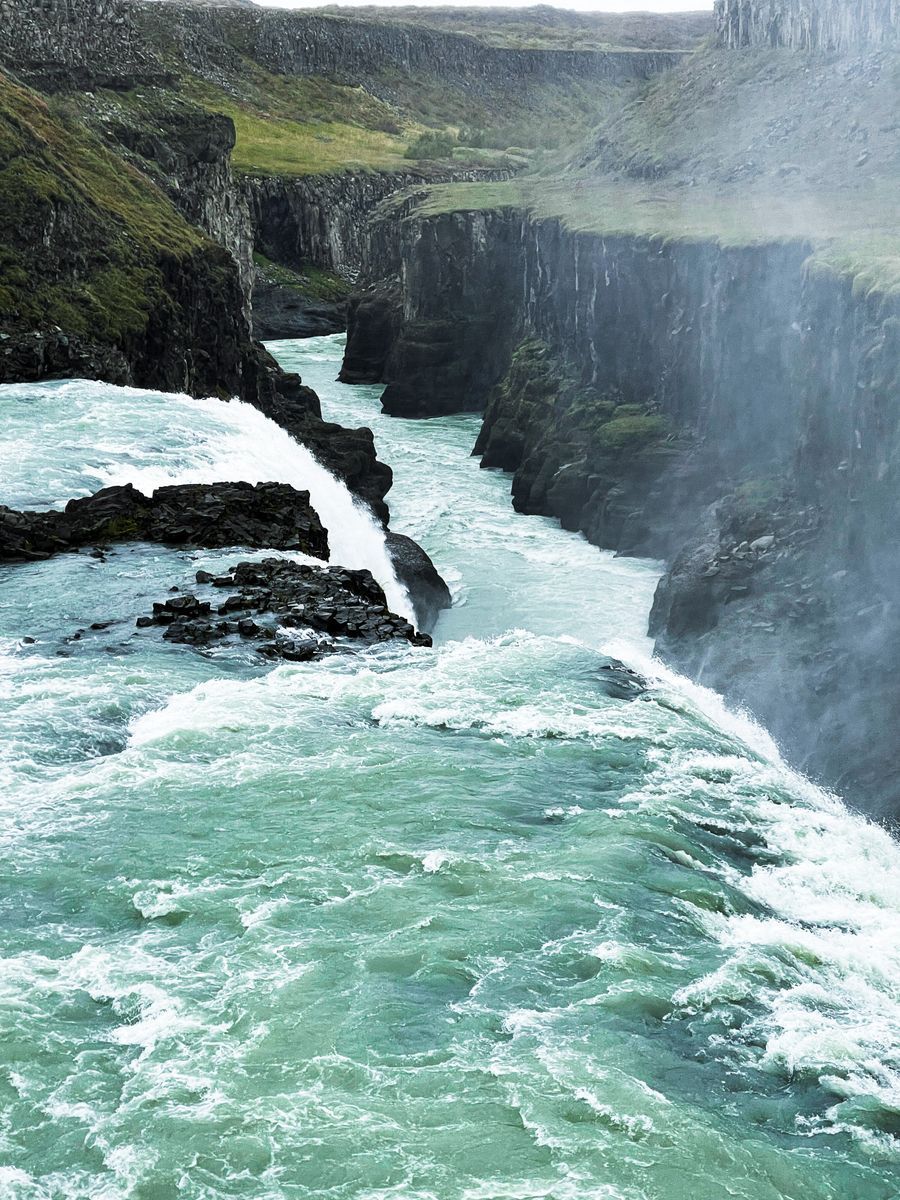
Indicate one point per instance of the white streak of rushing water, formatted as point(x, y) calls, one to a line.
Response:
point(153, 439)
point(447, 924)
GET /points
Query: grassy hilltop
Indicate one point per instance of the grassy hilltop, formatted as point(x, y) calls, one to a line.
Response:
point(741, 147)
point(540, 26)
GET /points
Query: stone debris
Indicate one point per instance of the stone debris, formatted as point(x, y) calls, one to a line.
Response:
point(289, 610)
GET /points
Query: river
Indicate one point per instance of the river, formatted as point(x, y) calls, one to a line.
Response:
point(447, 924)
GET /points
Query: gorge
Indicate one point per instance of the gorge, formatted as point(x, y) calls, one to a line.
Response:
point(370, 832)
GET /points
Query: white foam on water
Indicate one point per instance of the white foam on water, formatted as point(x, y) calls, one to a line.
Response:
point(824, 964)
point(475, 684)
point(171, 438)
point(251, 447)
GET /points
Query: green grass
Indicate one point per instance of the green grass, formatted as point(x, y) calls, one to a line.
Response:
point(271, 146)
point(546, 114)
point(311, 281)
point(300, 126)
point(100, 277)
point(626, 434)
point(850, 234)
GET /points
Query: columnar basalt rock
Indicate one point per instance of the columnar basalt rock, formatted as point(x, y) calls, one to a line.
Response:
point(284, 610)
point(111, 43)
point(321, 220)
point(354, 50)
point(808, 24)
point(77, 44)
point(187, 151)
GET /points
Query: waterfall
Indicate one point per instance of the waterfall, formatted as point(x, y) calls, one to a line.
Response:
point(240, 443)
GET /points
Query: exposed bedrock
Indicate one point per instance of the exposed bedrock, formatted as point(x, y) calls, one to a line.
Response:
point(100, 43)
point(732, 410)
point(808, 24)
point(191, 514)
point(418, 574)
point(282, 311)
point(321, 221)
point(437, 347)
point(283, 609)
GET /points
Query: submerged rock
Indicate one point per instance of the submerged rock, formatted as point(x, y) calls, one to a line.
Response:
point(621, 682)
point(196, 514)
point(418, 574)
point(288, 610)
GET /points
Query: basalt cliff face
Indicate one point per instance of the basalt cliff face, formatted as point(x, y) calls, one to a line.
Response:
point(348, 49)
point(808, 24)
point(731, 410)
point(109, 43)
point(322, 221)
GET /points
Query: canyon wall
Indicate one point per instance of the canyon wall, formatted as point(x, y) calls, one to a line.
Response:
point(77, 43)
point(323, 219)
point(352, 50)
point(106, 43)
point(730, 409)
point(808, 24)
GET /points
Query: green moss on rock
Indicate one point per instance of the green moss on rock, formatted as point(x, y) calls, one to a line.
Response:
point(626, 434)
point(88, 242)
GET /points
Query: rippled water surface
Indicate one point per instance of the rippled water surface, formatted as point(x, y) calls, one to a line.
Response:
point(448, 924)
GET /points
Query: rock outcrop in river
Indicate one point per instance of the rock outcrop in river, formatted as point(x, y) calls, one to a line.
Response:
point(286, 610)
point(186, 514)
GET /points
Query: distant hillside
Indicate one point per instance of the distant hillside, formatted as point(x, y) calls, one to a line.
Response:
point(543, 26)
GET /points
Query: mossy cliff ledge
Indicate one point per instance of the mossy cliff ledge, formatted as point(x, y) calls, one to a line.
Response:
point(730, 409)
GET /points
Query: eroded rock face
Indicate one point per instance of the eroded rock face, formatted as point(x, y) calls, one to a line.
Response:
point(418, 574)
point(286, 610)
point(442, 345)
point(209, 515)
point(808, 24)
point(790, 627)
point(283, 312)
point(373, 322)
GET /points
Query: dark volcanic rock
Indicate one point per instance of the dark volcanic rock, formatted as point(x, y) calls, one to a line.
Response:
point(766, 606)
point(288, 610)
point(373, 320)
point(621, 682)
point(211, 515)
point(418, 574)
point(816, 25)
point(443, 347)
point(283, 312)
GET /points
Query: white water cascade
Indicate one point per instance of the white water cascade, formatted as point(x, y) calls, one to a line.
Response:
point(214, 441)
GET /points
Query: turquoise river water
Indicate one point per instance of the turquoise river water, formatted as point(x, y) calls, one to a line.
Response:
point(448, 924)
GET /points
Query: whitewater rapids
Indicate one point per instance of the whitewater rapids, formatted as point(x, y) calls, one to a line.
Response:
point(447, 924)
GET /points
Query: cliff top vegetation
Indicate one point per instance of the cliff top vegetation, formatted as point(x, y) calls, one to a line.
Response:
point(313, 92)
point(739, 146)
point(82, 234)
point(308, 124)
point(541, 26)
